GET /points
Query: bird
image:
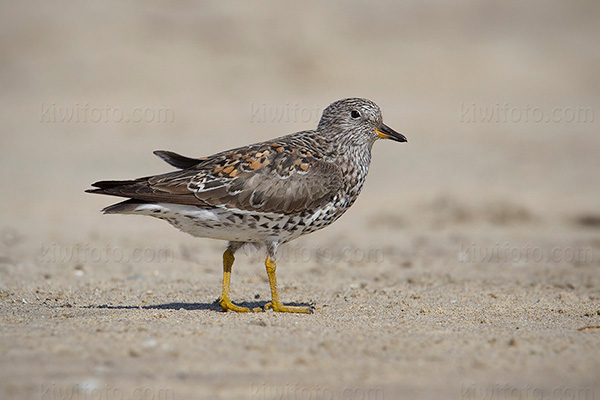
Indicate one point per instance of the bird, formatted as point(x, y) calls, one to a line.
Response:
point(264, 194)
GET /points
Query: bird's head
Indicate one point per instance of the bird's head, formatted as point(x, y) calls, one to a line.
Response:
point(356, 121)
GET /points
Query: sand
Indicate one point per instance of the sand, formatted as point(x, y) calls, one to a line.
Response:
point(468, 268)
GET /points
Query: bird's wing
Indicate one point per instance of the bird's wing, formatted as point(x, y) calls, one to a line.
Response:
point(265, 178)
point(177, 160)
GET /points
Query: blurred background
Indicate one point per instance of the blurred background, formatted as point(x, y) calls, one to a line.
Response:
point(457, 78)
point(500, 102)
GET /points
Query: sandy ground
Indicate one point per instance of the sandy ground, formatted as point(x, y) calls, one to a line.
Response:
point(468, 268)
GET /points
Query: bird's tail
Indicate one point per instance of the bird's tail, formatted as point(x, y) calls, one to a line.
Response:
point(124, 207)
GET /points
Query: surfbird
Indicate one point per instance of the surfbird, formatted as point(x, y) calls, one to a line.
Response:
point(266, 193)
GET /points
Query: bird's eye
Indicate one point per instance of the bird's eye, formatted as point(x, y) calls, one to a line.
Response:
point(354, 114)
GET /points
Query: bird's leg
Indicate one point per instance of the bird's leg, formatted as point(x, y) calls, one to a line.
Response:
point(275, 303)
point(224, 300)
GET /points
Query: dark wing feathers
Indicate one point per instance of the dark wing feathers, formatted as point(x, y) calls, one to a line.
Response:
point(265, 178)
point(266, 191)
point(110, 184)
point(141, 189)
point(177, 160)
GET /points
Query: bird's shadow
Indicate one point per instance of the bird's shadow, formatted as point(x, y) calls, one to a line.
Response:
point(214, 306)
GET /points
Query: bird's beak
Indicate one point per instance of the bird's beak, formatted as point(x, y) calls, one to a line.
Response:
point(385, 132)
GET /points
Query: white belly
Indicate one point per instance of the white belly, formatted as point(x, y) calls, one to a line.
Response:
point(218, 223)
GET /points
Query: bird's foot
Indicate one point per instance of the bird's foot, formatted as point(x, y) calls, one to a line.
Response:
point(228, 305)
point(280, 307)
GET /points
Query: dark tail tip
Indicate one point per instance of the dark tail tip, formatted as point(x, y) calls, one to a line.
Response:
point(177, 160)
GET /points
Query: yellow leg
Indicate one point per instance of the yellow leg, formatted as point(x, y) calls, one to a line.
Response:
point(275, 303)
point(224, 300)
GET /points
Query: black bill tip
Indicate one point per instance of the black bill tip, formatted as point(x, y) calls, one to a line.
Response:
point(385, 132)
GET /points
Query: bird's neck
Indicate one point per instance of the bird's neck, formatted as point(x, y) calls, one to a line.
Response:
point(353, 157)
point(354, 162)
